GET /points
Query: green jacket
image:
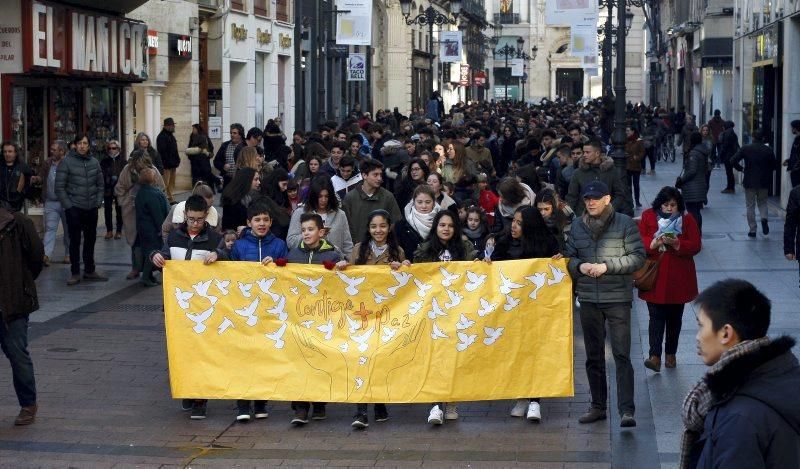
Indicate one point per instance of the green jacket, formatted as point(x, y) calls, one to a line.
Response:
point(357, 206)
point(619, 247)
point(606, 172)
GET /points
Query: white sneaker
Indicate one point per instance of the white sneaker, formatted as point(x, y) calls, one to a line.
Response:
point(534, 412)
point(520, 408)
point(450, 411)
point(436, 416)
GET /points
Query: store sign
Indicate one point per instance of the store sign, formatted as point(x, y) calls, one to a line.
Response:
point(464, 75)
point(238, 33)
point(263, 37)
point(152, 42)
point(450, 43)
point(357, 67)
point(480, 78)
point(354, 22)
point(11, 39)
point(68, 41)
point(180, 46)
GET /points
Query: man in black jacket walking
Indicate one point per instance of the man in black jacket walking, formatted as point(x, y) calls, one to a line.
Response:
point(167, 147)
point(759, 163)
point(728, 146)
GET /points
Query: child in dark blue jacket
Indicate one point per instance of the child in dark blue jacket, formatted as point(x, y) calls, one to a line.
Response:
point(256, 244)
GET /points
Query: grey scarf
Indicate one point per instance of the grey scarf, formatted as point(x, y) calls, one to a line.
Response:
point(597, 225)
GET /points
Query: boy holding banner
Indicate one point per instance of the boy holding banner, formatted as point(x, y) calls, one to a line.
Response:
point(256, 244)
point(312, 250)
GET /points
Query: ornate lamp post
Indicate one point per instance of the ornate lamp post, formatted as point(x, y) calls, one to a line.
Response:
point(525, 57)
point(430, 17)
point(508, 50)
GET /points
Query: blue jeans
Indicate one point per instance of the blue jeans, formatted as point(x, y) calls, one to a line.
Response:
point(53, 214)
point(14, 342)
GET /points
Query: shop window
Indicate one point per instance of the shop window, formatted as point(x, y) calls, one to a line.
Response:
point(260, 7)
point(282, 10)
point(237, 5)
point(102, 121)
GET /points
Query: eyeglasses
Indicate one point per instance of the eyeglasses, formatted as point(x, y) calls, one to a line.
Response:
point(195, 221)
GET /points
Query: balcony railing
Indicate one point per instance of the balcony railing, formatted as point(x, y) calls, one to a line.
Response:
point(506, 18)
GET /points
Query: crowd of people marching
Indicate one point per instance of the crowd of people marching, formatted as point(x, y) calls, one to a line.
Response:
point(486, 181)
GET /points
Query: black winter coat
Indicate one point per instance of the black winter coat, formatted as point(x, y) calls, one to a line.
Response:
point(619, 247)
point(791, 227)
point(22, 253)
point(10, 178)
point(759, 163)
point(728, 145)
point(79, 182)
point(755, 418)
point(167, 147)
point(407, 237)
point(695, 164)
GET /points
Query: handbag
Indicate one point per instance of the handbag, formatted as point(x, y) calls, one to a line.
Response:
point(645, 278)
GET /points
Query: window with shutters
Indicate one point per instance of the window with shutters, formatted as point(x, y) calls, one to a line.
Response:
point(282, 10)
point(260, 7)
point(237, 5)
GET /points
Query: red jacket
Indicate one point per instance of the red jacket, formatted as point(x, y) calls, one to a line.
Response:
point(488, 201)
point(676, 282)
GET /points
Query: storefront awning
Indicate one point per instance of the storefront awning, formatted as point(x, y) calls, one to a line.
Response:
point(117, 6)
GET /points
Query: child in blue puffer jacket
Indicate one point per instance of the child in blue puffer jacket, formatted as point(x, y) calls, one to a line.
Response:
point(256, 244)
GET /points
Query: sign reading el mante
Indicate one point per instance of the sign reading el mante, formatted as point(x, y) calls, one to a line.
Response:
point(63, 40)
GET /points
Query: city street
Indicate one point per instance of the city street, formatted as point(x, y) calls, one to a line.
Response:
point(104, 400)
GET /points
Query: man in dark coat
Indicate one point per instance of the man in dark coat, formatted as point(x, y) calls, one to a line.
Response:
point(759, 164)
point(596, 167)
point(225, 159)
point(167, 147)
point(604, 248)
point(793, 163)
point(728, 146)
point(744, 412)
point(791, 227)
point(23, 258)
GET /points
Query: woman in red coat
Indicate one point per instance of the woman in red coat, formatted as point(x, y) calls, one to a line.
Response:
point(668, 230)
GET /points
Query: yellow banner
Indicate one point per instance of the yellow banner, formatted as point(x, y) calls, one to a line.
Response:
point(461, 331)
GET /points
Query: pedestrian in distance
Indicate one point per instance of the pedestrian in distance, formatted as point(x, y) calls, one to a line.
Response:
point(53, 211)
point(604, 249)
point(112, 165)
point(126, 189)
point(167, 147)
point(144, 145)
point(744, 411)
point(151, 211)
point(728, 146)
point(793, 162)
point(670, 234)
point(79, 187)
point(23, 254)
point(693, 178)
point(759, 164)
point(15, 176)
point(791, 227)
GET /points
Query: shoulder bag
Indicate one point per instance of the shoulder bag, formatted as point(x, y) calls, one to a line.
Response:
point(645, 278)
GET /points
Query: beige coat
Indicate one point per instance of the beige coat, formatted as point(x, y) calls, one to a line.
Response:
point(126, 190)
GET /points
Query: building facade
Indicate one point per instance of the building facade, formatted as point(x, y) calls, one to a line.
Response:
point(67, 69)
point(766, 69)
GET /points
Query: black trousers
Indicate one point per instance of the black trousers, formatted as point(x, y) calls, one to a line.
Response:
point(633, 182)
point(664, 317)
point(650, 153)
point(82, 223)
point(594, 318)
point(110, 203)
point(694, 208)
point(731, 184)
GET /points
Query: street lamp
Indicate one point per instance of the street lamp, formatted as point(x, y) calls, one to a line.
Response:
point(507, 50)
point(429, 17)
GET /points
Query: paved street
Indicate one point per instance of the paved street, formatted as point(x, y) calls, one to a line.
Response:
point(100, 358)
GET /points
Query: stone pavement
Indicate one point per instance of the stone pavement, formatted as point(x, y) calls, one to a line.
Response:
point(100, 358)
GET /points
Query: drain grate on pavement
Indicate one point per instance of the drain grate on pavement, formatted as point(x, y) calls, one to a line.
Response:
point(127, 308)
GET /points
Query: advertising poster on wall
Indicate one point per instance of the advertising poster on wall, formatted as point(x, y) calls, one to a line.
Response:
point(355, 27)
point(568, 12)
point(450, 46)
